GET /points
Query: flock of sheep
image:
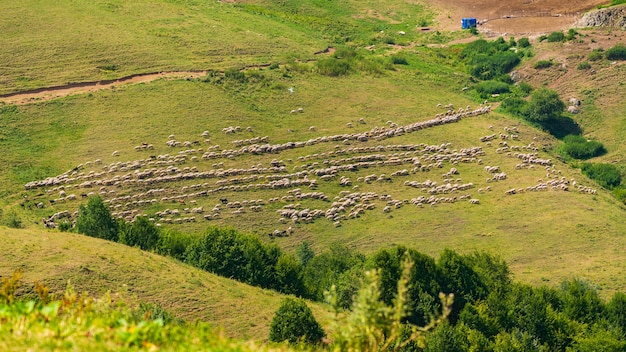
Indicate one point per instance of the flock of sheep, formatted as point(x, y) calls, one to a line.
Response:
point(191, 183)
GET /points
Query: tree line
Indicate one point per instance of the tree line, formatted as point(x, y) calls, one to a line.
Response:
point(489, 311)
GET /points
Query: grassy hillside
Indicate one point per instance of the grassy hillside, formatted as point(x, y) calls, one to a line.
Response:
point(96, 266)
point(76, 41)
point(541, 239)
point(99, 143)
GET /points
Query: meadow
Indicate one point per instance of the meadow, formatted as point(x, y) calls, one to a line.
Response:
point(266, 75)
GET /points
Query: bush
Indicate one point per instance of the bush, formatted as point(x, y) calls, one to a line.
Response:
point(584, 65)
point(607, 175)
point(294, 322)
point(492, 87)
point(485, 66)
point(95, 220)
point(525, 88)
point(578, 147)
point(544, 104)
point(333, 67)
point(236, 75)
point(617, 52)
point(12, 220)
point(488, 60)
point(399, 60)
point(142, 233)
point(595, 55)
point(556, 37)
point(174, 244)
point(620, 194)
point(523, 42)
point(514, 105)
point(229, 253)
point(571, 34)
point(543, 64)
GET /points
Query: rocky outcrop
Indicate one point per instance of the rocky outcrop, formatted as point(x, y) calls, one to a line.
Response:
point(609, 17)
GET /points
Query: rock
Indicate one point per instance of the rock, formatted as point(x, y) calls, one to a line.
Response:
point(516, 76)
point(572, 109)
point(614, 16)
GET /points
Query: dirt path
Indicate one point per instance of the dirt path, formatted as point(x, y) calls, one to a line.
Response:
point(49, 93)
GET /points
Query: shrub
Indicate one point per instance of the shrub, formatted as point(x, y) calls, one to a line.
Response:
point(584, 65)
point(229, 253)
point(578, 147)
point(595, 55)
point(399, 60)
point(174, 244)
point(525, 88)
point(607, 175)
point(523, 42)
point(12, 220)
point(236, 75)
point(294, 322)
point(543, 64)
point(544, 104)
point(487, 60)
point(95, 220)
point(492, 87)
point(556, 37)
point(617, 52)
point(620, 194)
point(514, 105)
point(142, 233)
point(485, 66)
point(571, 34)
point(333, 67)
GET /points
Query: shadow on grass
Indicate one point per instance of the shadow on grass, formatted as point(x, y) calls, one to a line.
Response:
point(561, 126)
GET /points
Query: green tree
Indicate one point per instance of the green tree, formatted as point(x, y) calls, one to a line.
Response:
point(95, 220)
point(142, 233)
point(446, 337)
point(616, 310)
point(544, 105)
point(232, 254)
point(458, 277)
point(305, 252)
point(324, 270)
point(289, 276)
point(580, 301)
point(294, 322)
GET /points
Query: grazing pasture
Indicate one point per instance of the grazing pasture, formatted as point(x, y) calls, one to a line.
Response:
point(382, 166)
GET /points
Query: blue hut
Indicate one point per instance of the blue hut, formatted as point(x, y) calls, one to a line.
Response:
point(467, 23)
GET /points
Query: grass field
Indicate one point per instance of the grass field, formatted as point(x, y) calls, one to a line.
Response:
point(96, 266)
point(527, 229)
point(544, 236)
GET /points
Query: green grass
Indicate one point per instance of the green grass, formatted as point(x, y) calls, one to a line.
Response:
point(92, 40)
point(544, 236)
point(96, 266)
point(77, 41)
point(533, 232)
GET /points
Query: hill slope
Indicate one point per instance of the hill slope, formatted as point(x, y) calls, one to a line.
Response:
point(97, 266)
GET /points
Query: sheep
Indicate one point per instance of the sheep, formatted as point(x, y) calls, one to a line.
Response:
point(474, 201)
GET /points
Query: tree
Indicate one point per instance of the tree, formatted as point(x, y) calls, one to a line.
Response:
point(544, 105)
point(289, 276)
point(294, 322)
point(305, 253)
point(95, 220)
point(141, 233)
point(459, 278)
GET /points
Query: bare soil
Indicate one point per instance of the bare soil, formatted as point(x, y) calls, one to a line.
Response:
point(513, 17)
